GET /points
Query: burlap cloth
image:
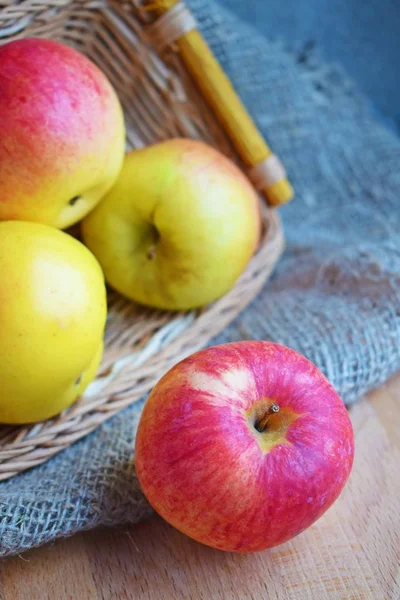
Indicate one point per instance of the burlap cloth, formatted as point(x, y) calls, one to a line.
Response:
point(335, 296)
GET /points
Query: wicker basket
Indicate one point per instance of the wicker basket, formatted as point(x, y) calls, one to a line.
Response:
point(160, 101)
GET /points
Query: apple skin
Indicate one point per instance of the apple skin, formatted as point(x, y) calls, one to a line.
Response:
point(53, 310)
point(178, 227)
point(62, 135)
point(206, 469)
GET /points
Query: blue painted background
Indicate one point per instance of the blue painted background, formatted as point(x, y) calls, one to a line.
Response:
point(362, 35)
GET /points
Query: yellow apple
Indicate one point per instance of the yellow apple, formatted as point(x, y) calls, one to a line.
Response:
point(52, 318)
point(62, 133)
point(178, 227)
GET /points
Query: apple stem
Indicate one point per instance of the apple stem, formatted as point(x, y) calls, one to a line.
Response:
point(261, 424)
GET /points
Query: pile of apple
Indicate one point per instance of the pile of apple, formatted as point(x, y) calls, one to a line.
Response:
point(240, 446)
point(171, 226)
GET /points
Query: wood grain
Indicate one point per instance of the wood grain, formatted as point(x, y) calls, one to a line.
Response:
point(352, 553)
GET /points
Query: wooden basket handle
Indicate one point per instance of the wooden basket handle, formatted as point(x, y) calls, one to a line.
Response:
point(176, 24)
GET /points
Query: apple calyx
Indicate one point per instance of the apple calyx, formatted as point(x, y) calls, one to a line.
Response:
point(261, 424)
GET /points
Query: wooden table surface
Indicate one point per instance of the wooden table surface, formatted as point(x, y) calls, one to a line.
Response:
point(351, 553)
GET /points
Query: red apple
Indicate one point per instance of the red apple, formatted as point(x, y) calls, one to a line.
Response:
point(62, 135)
point(243, 446)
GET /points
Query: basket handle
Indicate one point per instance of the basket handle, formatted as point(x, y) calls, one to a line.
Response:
point(177, 25)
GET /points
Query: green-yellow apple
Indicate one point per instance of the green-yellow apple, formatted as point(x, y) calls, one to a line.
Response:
point(52, 316)
point(62, 133)
point(178, 227)
point(243, 446)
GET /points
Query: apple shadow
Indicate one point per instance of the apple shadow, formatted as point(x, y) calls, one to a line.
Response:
point(153, 560)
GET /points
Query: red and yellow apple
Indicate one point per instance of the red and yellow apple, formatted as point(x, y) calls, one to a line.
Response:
point(178, 227)
point(243, 446)
point(62, 133)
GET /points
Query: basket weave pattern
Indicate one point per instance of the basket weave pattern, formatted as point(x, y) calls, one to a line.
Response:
point(160, 101)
